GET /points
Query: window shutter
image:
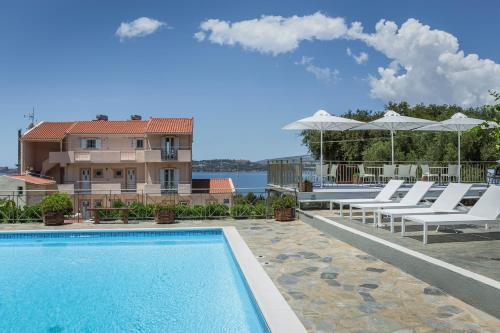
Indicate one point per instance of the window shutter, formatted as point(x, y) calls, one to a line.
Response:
point(162, 178)
point(176, 176)
point(98, 143)
point(83, 143)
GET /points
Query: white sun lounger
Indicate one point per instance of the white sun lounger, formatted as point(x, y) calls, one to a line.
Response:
point(384, 195)
point(410, 200)
point(445, 203)
point(484, 212)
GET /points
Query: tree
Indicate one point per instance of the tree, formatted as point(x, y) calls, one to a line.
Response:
point(409, 145)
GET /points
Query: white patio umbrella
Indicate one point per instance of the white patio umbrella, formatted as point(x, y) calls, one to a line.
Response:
point(393, 121)
point(457, 123)
point(323, 121)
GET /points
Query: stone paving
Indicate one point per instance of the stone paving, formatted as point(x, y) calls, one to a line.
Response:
point(469, 247)
point(334, 287)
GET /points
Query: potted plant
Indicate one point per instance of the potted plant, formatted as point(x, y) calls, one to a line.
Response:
point(54, 207)
point(306, 186)
point(165, 213)
point(284, 208)
point(355, 178)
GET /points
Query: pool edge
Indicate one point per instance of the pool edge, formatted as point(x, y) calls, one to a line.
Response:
point(277, 313)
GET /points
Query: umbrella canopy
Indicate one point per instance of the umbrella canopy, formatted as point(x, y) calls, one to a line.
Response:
point(393, 121)
point(457, 123)
point(323, 121)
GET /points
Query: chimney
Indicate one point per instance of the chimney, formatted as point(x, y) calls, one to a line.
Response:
point(101, 117)
point(135, 117)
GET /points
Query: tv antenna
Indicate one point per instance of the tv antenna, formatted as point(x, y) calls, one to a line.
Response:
point(31, 117)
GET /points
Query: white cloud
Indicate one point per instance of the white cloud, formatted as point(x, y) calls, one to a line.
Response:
point(321, 73)
point(426, 65)
point(360, 59)
point(140, 27)
point(272, 34)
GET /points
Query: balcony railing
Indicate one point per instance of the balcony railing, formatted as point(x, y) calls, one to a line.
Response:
point(291, 172)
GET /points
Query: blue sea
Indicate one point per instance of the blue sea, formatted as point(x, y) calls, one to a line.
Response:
point(124, 282)
point(243, 181)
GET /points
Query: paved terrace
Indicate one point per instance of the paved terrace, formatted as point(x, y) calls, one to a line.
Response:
point(469, 247)
point(334, 287)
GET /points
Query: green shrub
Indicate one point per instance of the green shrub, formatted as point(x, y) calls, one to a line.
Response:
point(8, 211)
point(165, 207)
point(31, 214)
point(241, 210)
point(259, 211)
point(216, 210)
point(57, 203)
point(140, 211)
point(286, 201)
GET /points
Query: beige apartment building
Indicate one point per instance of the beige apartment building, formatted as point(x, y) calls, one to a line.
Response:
point(151, 156)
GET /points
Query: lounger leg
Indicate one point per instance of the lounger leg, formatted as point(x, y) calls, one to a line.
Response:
point(363, 215)
point(341, 211)
point(392, 223)
point(425, 233)
point(377, 219)
point(331, 205)
point(402, 227)
point(350, 213)
point(486, 227)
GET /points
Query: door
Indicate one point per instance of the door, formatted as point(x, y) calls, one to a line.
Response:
point(168, 148)
point(168, 179)
point(131, 182)
point(85, 179)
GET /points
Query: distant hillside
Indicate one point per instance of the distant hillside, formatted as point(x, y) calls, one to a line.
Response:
point(226, 165)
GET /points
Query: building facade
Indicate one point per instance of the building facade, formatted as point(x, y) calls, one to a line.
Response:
point(151, 156)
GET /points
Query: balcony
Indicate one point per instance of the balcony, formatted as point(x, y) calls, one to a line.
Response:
point(162, 155)
point(96, 156)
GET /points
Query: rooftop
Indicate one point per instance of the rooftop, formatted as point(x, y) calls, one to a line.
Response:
point(59, 130)
point(34, 180)
point(213, 185)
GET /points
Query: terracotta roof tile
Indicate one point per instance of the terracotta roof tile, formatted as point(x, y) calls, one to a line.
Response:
point(34, 179)
point(213, 185)
point(48, 131)
point(109, 127)
point(170, 125)
point(58, 130)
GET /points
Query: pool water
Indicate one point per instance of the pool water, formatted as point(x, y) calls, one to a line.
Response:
point(164, 281)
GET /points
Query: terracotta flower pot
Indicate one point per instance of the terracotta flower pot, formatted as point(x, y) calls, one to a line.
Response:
point(306, 187)
point(284, 214)
point(165, 217)
point(53, 218)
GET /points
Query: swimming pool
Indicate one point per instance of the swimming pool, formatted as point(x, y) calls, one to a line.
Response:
point(124, 281)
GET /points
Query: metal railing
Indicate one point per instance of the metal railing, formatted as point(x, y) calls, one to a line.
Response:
point(243, 203)
point(291, 172)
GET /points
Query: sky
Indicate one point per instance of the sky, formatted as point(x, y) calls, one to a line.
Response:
point(242, 69)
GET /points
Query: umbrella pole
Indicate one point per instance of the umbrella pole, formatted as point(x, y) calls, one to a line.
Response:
point(459, 166)
point(321, 158)
point(392, 146)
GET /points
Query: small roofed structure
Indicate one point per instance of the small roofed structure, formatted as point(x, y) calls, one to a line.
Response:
point(25, 189)
point(218, 190)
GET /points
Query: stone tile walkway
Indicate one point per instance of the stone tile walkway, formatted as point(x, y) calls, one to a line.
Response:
point(472, 248)
point(334, 287)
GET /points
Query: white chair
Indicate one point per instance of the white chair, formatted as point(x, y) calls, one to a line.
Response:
point(484, 212)
point(384, 195)
point(413, 172)
point(318, 171)
point(451, 173)
point(426, 172)
point(445, 203)
point(388, 172)
point(332, 174)
point(404, 171)
point(410, 200)
point(363, 175)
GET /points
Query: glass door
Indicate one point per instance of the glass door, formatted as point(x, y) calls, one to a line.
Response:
point(168, 148)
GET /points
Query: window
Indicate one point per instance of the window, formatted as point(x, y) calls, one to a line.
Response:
point(139, 143)
point(98, 173)
point(97, 203)
point(226, 201)
point(20, 190)
point(91, 143)
point(118, 173)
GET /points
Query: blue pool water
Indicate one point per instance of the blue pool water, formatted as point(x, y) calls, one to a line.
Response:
point(162, 281)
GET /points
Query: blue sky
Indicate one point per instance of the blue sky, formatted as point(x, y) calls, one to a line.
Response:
point(65, 59)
